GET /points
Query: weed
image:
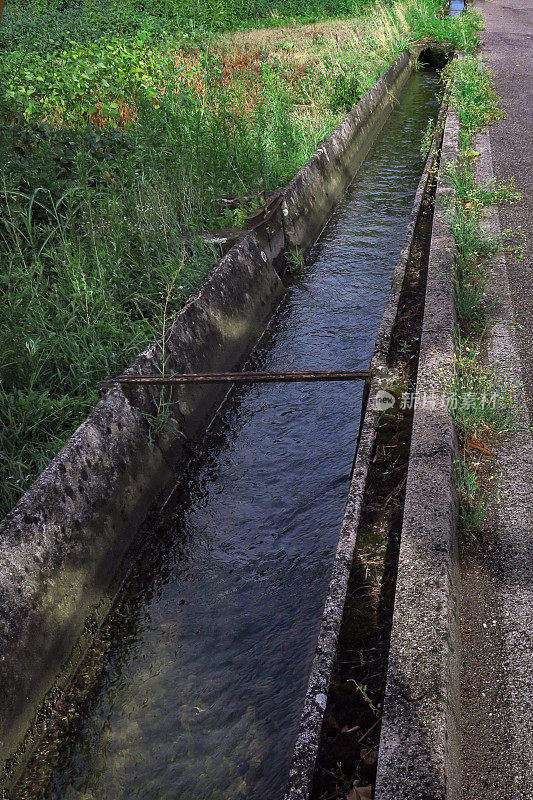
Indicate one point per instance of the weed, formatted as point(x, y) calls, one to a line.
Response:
point(469, 298)
point(473, 93)
point(485, 399)
point(161, 423)
point(474, 504)
point(240, 215)
point(344, 88)
point(475, 196)
point(427, 138)
point(405, 347)
point(294, 261)
point(363, 690)
point(471, 242)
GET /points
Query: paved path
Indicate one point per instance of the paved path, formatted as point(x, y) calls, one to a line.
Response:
point(497, 579)
point(509, 53)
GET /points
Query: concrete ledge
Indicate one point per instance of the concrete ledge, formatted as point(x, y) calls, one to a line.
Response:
point(308, 738)
point(64, 547)
point(419, 755)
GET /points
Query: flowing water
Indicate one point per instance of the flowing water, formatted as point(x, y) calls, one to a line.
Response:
point(203, 665)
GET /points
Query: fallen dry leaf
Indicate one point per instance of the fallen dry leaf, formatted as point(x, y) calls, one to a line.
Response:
point(360, 793)
point(332, 722)
point(369, 755)
point(346, 729)
point(477, 445)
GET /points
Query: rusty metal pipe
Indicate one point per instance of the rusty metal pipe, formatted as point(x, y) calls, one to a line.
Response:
point(243, 377)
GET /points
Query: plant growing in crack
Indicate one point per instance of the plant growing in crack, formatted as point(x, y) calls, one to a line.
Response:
point(295, 261)
point(405, 348)
point(363, 690)
point(427, 138)
point(473, 506)
point(484, 402)
point(162, 422)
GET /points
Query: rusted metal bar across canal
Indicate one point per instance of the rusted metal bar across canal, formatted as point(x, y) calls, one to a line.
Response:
point(243, 377)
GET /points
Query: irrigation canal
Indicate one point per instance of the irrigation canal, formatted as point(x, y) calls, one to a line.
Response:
point(195, 686)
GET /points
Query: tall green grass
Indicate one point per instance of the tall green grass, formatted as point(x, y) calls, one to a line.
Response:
point(97, 222)
point(94, 228)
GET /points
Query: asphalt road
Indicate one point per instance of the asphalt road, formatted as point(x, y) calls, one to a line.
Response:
point(497, 574)
point(508, 52)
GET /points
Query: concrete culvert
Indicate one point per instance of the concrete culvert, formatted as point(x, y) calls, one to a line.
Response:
point(435, 56)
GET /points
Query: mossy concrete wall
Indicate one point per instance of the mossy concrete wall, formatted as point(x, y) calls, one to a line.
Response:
point(65, 547)
point(419, 753)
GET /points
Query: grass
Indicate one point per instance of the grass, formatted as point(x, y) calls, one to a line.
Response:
point(470, 272)
point(476, 101)
point(122, 127)
point(92, 228)
point(473, 196)
point(427, 138)
point(89, 61)
point(485, 400)
point(471, 489)
point(473, 95)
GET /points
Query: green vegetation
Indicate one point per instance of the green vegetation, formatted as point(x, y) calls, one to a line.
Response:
point(474, 96)
point(87, 62)
point(472, 491)
point(490, 396)
point(427, 138)
point(470, 193)
point(122, 128)
point(489, 411)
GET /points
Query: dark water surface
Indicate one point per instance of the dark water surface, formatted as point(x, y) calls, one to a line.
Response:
point(207, 655)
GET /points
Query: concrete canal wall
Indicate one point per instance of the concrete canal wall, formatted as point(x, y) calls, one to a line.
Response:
point(308, 739)
point(419, 754)
point(64, 548)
